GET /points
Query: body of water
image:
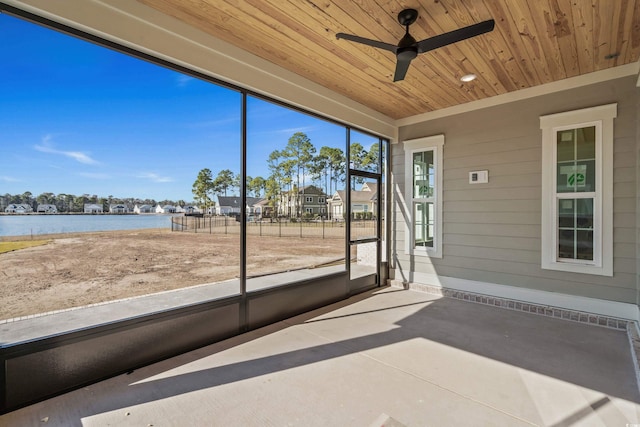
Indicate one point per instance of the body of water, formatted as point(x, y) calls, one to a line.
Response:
point(27, 225)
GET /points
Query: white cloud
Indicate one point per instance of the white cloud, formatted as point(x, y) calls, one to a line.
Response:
point(183, 80)
point(46, 147)
point(288, 131)
point(155, 177)
point(9, 179)
point(291, 131)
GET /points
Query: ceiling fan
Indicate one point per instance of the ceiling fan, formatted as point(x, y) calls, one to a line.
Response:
point(408, 48)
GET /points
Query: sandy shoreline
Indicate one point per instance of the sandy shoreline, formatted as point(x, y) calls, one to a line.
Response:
point(79, 234)
point(83, 268)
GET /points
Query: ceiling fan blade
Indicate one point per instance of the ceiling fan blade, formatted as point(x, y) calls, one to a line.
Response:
point(455, 36)
point(401, 69)
point(368, 42)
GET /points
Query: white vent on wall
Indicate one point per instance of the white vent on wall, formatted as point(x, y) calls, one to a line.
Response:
point(478, 177)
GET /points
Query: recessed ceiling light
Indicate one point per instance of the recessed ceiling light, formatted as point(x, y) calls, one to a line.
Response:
point(468, 78)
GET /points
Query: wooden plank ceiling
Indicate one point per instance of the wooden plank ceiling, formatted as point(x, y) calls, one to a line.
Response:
point(534, 42)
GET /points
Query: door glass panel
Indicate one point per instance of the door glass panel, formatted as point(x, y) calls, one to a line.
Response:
point(362, 260)
point(364, 186)
point(364, 152)
point(364, 205)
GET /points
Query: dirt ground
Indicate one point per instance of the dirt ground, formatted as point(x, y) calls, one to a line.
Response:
point(86, 268)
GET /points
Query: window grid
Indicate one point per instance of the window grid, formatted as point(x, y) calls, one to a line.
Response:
point(423, 190)
point(575, 175)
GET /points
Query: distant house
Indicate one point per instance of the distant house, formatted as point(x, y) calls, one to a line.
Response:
point(362, 201)
point(232, 205)
point(228, 205)
point(118, 208)
point(49, 209)
point(186, 209)
point(142, 209)
point(368, 186)
point(308, 200)
point(93, 208)
point(18, 208)
point(313, 201)
point(165, 209)
point(262, 209)
point(189, 209)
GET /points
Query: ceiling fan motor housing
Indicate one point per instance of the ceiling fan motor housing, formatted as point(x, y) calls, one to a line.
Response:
point(407, 53)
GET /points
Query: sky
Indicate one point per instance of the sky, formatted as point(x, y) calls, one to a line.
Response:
point(77, 118)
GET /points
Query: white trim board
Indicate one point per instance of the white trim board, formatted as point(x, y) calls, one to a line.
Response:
point(601, 118)
point(433, 143)
point(570, 302)
point(626, 70)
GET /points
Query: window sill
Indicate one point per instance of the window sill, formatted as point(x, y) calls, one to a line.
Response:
point(579, 268)
point(425, 254)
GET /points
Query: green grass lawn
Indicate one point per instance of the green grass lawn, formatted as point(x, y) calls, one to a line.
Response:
point(14, 246)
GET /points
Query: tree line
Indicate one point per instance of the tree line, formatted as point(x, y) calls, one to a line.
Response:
point(289, 169)
point(73, 203)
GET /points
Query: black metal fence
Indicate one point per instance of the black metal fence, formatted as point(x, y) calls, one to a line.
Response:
point(320, 229)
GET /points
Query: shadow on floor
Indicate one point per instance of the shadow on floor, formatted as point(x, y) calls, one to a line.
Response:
point(588, 356)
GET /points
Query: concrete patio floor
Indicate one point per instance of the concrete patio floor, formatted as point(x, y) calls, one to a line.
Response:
point(388, 357)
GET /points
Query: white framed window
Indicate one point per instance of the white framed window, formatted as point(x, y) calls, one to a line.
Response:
point(577, 190)
point(308, 210)
point(320, 199)
point(423, 196)
point(309, 199)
